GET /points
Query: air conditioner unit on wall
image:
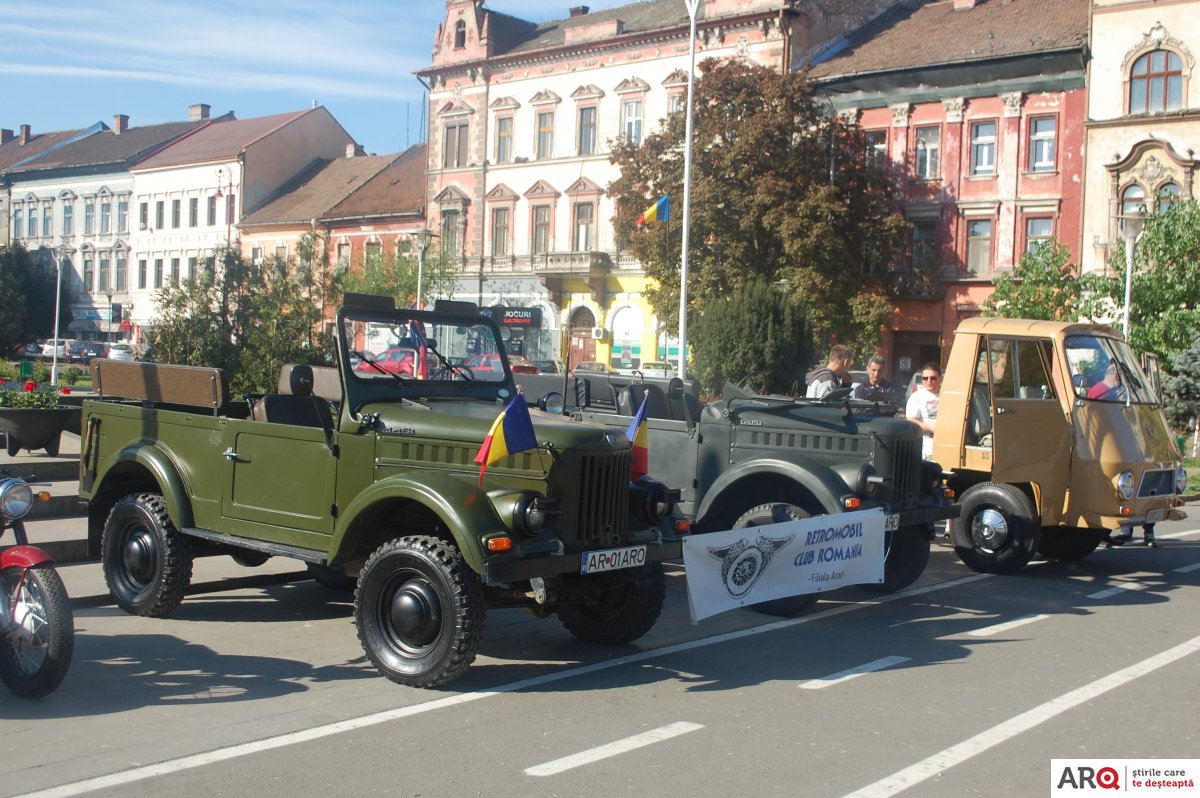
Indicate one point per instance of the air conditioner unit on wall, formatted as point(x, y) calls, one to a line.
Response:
point(598, 333)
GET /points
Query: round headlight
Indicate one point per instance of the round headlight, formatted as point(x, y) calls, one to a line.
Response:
point(659, 504)
point(1125, 485)
point(863, 485)
point(1181, 479)
point(531, 514)
point(15, 498)
point(552, 402)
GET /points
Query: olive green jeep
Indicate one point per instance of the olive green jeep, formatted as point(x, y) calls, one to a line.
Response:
point(368, 474)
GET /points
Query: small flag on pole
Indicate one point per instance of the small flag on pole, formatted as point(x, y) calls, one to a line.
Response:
point(660, 211)
point(511, 433)
point(640, 438)
point(418, 339)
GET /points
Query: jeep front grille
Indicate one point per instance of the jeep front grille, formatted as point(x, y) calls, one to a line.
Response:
point(906, 487)
point(602, 507)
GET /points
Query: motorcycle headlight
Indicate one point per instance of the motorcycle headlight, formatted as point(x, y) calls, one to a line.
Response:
point(1181, 480)
point(1125, 485)
point(16, 498)
point(531, 513)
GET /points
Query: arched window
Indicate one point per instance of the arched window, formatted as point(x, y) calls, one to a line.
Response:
point(1168, 195)
point(1156, 83)
point(460, 34)
point(1133, 201)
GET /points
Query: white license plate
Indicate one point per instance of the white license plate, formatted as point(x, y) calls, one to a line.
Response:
point(612, 559)
point(1154, 516)
point(891, 523)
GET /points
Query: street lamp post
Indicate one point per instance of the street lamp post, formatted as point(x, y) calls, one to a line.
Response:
point(58, 253)
point(1131, 227)
point(423, 238)
point(108, 292)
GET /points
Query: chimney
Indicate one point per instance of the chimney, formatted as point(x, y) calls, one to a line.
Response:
point(120, 123)
point(198, 111)
point(6, 136)
point(963, 5)
point(579, 11)
point(25, 135)
point(354, 150)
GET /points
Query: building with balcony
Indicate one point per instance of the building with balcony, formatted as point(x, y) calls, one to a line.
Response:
point(984, 137)
point(522, 118)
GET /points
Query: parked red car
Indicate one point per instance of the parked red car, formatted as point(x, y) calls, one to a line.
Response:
point(396, 360)
point(491, 362)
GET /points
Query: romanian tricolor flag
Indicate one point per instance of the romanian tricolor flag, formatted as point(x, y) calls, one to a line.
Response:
point(511, 432)
point(658, 212)
point(639, 437)
point(418, 339)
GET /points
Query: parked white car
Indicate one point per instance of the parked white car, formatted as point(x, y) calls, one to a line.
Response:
point(657, 368)
point(121, 352)
point(61, 344)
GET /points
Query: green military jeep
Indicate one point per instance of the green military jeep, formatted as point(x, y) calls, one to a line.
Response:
point(369, 472)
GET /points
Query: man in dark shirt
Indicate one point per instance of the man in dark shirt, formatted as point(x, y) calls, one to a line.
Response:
point(875, 382)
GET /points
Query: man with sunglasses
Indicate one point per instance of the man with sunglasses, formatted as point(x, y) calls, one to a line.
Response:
point(922, 406)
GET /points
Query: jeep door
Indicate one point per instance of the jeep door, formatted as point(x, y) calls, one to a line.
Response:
point(1031, 435)
point(279, 483)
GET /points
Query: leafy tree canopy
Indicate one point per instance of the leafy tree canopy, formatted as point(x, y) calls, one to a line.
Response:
point(27, 311)
point(1181, 388)
point(387, 273)
point(756, 335)
point(780, 193)
point(1043, 285)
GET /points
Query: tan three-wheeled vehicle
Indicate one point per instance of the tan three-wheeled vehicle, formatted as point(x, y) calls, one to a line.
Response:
point(1054, 438)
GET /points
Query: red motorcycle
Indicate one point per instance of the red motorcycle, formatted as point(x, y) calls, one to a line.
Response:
point(37, 631)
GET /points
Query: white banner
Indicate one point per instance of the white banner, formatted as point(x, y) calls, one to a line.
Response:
point(727, 570)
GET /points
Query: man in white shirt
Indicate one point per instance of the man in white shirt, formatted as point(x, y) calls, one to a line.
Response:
point(922, 406)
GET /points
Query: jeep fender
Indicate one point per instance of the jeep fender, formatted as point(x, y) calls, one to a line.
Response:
point(458, 502)
point(825, 485)
point(166, 473)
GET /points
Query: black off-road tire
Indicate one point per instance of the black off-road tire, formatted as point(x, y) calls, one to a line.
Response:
point(1069, 543)
point(419, 611)
point(907, 557)
point(147, 562)
point(37, 668)
point(621, 605)
point(998, 530)
point(778, 513)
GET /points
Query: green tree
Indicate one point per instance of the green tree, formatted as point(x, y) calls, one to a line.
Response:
point(388, 273)
point(1044, 285)
point(1165, 296)
point(757, 335)
point(27, 311)
point(1181, 388)
point(779, 192)
point(244, 319)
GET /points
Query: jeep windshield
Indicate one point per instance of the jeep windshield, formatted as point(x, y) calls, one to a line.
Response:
point(1105, 370)
point(399, 353)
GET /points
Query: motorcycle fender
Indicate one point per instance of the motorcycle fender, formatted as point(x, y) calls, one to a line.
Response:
point(23, 557)
point(462, 507)
point(823, 484)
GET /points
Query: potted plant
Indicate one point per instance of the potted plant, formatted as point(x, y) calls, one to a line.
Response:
point(32, 417)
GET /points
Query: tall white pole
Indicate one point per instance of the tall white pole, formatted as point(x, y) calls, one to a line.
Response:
point(420, 270)
point(692, 6)
point(58, 253)
point(1129, 247)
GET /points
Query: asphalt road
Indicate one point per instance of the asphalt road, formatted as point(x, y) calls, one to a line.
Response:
point(962, 685)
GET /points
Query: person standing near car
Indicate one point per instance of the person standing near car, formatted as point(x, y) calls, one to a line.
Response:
point(922, 407)
point(875, 382)
point(831, 376)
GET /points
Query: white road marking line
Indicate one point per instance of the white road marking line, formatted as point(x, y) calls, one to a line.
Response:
point(1117, 589)
point(852, 673)
point(614, 748)
point(957, 754)
point(1187, 569)
point(353, 724)
point(996, 629)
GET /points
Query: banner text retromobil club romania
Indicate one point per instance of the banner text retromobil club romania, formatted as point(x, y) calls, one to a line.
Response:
point(739, 567)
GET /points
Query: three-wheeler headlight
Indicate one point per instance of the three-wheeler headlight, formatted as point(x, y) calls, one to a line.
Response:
point(1125, 485)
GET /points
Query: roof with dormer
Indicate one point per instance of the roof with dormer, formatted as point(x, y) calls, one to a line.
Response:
point(14, 153)
point(108, 149)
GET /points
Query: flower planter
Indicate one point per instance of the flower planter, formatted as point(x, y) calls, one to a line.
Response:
point(36, 428)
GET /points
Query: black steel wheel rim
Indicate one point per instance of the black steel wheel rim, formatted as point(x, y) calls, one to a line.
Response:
point(410, 613)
